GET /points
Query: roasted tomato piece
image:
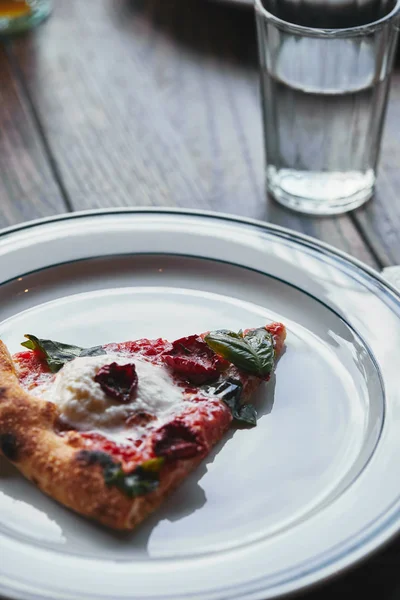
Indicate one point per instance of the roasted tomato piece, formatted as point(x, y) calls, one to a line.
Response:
point(118, 381)
point(177, 440)
point(192, 359)
point(278, 332)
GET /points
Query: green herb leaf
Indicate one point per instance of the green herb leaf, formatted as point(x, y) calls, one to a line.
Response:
point(262, 343)
point(243, 414)
point(57, 354)
point(252, 352)
point(230, 392)
point(153, 465)
point(143, 480)
point(247, 415)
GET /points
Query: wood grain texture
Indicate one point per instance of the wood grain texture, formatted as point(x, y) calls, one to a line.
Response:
point(27, 186)
point(380, 218)
point(103, 120)
point(156, 103)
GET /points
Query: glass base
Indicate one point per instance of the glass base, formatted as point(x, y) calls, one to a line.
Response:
point(40, 10)
point(320, 193)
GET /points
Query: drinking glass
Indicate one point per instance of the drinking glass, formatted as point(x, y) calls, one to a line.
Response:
point(324, 95)
point(20, 15)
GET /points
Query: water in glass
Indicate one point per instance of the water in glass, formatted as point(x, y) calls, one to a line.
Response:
point(324, 103)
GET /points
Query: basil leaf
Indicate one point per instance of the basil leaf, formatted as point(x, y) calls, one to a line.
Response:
point(153, 465)
point(247, 415)
point(252, 352)
point(133, 484)
point(230, 392)
point(243, 414)
point(143, 480)
point(112, 472)
point(261, 341)
point(57, 354)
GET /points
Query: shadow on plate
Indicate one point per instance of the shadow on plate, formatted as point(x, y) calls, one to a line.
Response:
point(84, 537)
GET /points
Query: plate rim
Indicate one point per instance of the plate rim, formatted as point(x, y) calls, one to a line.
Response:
point(265, 225)
point(293, 235)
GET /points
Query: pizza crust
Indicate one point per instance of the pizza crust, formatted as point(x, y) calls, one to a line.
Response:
point(55, 464)
point(28, 439)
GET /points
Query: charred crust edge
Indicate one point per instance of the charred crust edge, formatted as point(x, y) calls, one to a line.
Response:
point(9, 446)
point(94, 457)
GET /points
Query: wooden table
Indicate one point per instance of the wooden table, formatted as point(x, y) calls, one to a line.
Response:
point(155, 102)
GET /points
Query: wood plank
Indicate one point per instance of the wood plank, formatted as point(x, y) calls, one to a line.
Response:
point(380, 218)
point(158, 105)
point(28, 189)
point(98, 106)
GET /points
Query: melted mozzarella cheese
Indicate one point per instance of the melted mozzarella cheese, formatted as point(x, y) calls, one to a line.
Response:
point(82, 402)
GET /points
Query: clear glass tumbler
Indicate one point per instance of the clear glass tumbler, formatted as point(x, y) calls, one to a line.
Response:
point(20, 15)
point(324, 95)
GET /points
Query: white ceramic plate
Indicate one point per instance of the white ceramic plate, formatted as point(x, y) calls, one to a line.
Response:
point(311, 490)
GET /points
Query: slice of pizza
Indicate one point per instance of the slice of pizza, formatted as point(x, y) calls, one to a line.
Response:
point(110, 431)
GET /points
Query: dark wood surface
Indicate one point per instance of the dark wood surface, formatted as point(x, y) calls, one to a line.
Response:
point(27, 187)
point(155, 102)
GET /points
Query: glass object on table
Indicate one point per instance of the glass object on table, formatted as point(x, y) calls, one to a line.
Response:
point(19, 15)
point(324, 95)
